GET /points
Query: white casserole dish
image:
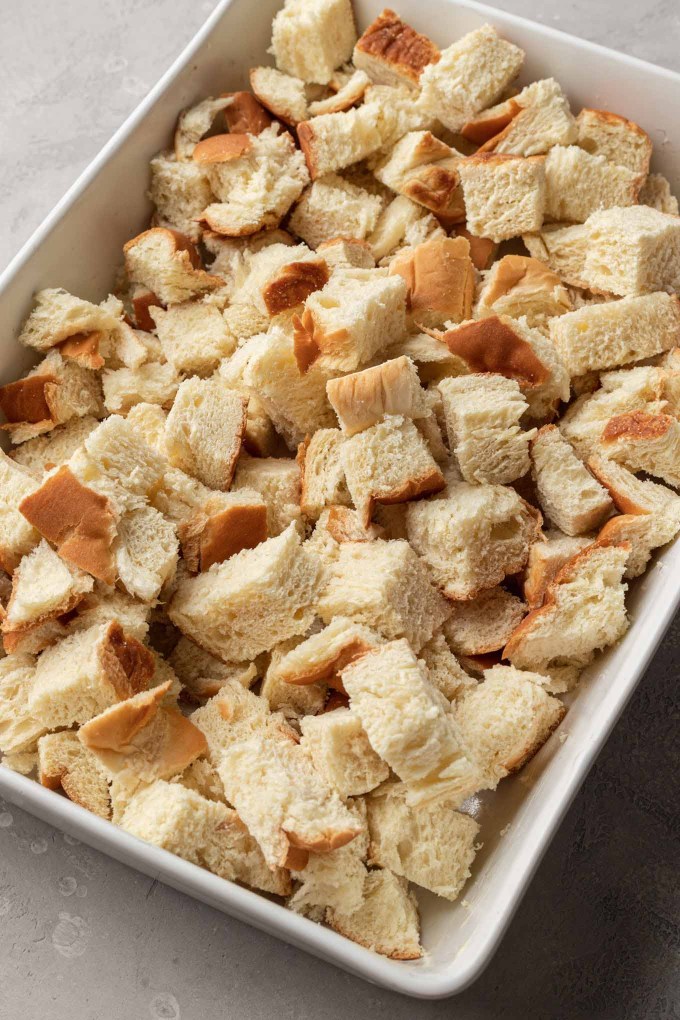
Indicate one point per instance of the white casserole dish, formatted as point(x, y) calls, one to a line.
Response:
point(79, 246)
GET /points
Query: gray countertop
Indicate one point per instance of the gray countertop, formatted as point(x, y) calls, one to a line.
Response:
point(84, 938)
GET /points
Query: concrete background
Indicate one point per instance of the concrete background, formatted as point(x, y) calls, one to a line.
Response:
point(84, 938)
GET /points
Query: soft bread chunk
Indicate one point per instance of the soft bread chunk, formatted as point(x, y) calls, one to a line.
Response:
point(281, 94)
point(520, 286)
point(400, 224)
point(168, 264)
point(335, 880)
point(528, 124)
point(173, 818)
point(149, 420)
point(425, 169)
point(386, 922)
point(505, 196)
point(17, 535)
point(469, 76)
point(506, 719)
point(145, 551)
point(645, 442)
point(633, 251)
point(254, 600)
point(193, 336)
point(386, 587)
point(444, 670)
point(48, 451)
point(278, 482)
point(291, 701)
point(195, 122)
point(389, 463)
point(114, 457)
point(106, 605)
point(357, 314)
point(344, 525)
point(431, 844)
point(407, 720)
point(322, 473)
point(86, 673)
point(341, 753)
point(567, 493)
point(349, 85)
point(484, 624)
point(612, 334)
point(244, 115)
point(232, 853)
point(201, 777)
point(19, 727)
point(440, 279)
point(482, 414)
point(64, 764)
point(224, 525)
point(202, 675)
point(180, 192)
point(346, 253)
point(364, 398)
point(332, 207)
point(578, 184)
point(583, 611)
point(322, 656)
point(563, 249)
point(58, 316)
point(154, 383)
point(618, 140)
point(546, 558)
point(392, 52)
point(656, 192)
point(310, 38)
point(204, 430)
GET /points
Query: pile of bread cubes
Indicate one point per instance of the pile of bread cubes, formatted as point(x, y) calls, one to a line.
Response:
point(307, 527)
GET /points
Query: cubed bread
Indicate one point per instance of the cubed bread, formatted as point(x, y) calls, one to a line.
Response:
point(224, 525)
point(546, 558)
point(193, 336)
point(322, 473)
point(114, 459)
point(279, 483)
point(528, 124)
point(332, 207)
point(333, 881)
point(180, 192)
point(310, 38)
point(398, 224)
point(362, 399)
point(152, 383)
point(232, 853)
point(393, 53)
point(343, 325)
point(204, 430)
point(386, 587)
point(469, 76)
point(614, 333)
point(20, 729)
point(64, 764)
point(334, 141)
point(563, 249)
point(341, 753)
point(644, 442)
point(520, 286)
point(244, 115)
point(145, 551)
point(17, 535)
point(346, 253)
point(443, 668)
point(440, 280)
point(58, 316)
point(431, 844)
point(346, 87)
point(195, 122)
point(633, 251)
point(173, 818)
point(292, 701)
point(568, 494)
point(583, 611)
point(578, 184)
point(387, 920)
point(168, 264)
point(281, 94)
point(389, 463)
point(86, 673)
point(505, 196)
point(425, 169)
point(656, 192)
point(482, 414)
point(202, 675)
point(450, 533)
point(484, 624)
point(506, 719)
point(107, 605)
point(253, 601)
point(618, 140)
point(54, 448)
point(321, 657)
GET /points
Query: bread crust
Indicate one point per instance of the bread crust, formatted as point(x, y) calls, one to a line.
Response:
point(636, 425)
point(418, 486)
point(483, 129)
point(342, 525)
point(306, 139)
point(439, 276)
point(83, 348)
point(331, 667)
point(482, 249)
point(397, 46)
point(623, 503)
point(209, 538)
point(142, 301)
point(245, 115)
point(26, 400)
point(221, 148)
point(489, 345)
point(128, 665)
point(293, 284)
point(311, 340)
point(180, 242)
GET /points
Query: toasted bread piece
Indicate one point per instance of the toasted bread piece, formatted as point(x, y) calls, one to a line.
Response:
point(292, 701)
point(54, 392)
point(63, 763)
point(519, 286)
point(425, 169)
point(618, 140)
point(244, 115)
point(349, 89)
point(168, 264)
point(232, 853)
point(195, 122)
point(334, 141)
point(579, 184)
point(193, 336)
point(322, 473)
point(633, 251)
point(174, 818)
point(528, 124)
point(440, 278)
point(362, 399)
point(392, 52)
point(387, 920)
point(20, 728)
point(346, 253)
point(310, 38)
point(204, 430)
point(332, 207)
point(224, 525)
point(278, 480)
point(505, 196)
point(281, 94)
point(546, 558)
point(341, 752)
point(644, 442)
point(482, 625)
point(321, 657)
point(58, 316)
point(656, 192)
point(567, 493)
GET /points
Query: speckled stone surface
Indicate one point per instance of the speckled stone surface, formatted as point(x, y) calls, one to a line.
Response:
point(84, 938)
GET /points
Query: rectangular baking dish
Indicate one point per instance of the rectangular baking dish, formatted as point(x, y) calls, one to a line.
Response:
point(79, 246)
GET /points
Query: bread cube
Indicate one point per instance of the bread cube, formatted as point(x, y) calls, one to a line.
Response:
point(431, 845)
point(195, 122)
point(282, 94)
point(363, 399)
point(449, 532)
point(253, 601)
point(400, 224)
point(333, 207)
point(333, 881)
point(563, 249)
point(386, 922)
point(193, 336)
point(114, 455)
point(656, 192)
point(322, 656)
point(224, 525)
point(616, 332)
point(17, 535)
point(145, 552)
point(20, 728)
point(334, 141)
point(484, 624)
point(173, 818)
point(633, 251)
point(425, 169)
point(346, 253)
point(322, 473)
point(546, 558)
point(384, 586)
point(54, 448)
point(153, 383)
point(202, 675)
point(204, 430)
point(520, 286)
point(310, 38)
point(180, 192)
point(567, 493)
point(482, 414)
point(440, 278)
point(529, 124)
point(504, 195)
point(293, 702)
point(232, 853)
point(278, 481)
point(64, 764)
point(644, 442)
point(356, 315)
point(578, 184)
point(392, 52)
point(168, 264)
point(618, 140)
point(443, 668)
point(58, 316)
point(244, 115)
point(341, 753)
point(469, 76)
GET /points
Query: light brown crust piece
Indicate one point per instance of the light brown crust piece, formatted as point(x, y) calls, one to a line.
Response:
point(293, 284)
point(398, 46)
point(209, 538)
point(623, 503)
point(83, 348)
point(245, 115)
point(305, 134)
point(116, 727)
point(636, 425)
point(485, 129)
point(128, 665)
point(309, 340)
point(80, 522)
point(221, 148)
point(514, 269)
point(489, 345)
point(417, 487)
point(439, 276)
point(343, 525)
point(331, 667)
point(26, 400)
point(142, 301)
point(482, 249)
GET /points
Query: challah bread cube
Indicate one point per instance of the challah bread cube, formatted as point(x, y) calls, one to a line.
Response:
point(620, 141)
point(293, 702)
point(254, 600)
point(469, 76)
point(505, 196)
point(633, 251)
point(232, 853)
point(145, 551)
point(364, 398)
point(614, 333)
point(583, 611)
point(388, 463)
point(54, 448)
point(282, 94)
point(334, 141)
point(310, 38)
point(578, 184)
point(346, 253)
point(482, 414)
point(563, 249)
point(568, 494)
point(449, 532)
point(431, 844)
point(396, 226)
point(387, 920)
point(202, 675)
point(115, 453)
point(153, 383)
point(64, 764)
point(520, 286)
point(174, 818)
point(350, 87)
point(332, 207)
point(341, 752)
point(180, 192)
point(484, 624)
point(322, 656)
point(644, 442)
point(278, 481)
point(343, 325)
point(425, 169)
point(322, 473)
point(528, 124)
point(244, 115)
point(168, 264)
point(546, 558)
point(506, 719)
point(393, 53)
point(193, 336)
point(385, 586)
point(86, 673)
point(20, 729)
point(58, 316)
point(195, 122)
point(17, 535)
point(443, 668)
point(333, 881)
point(440, 279)
point(224, 525)
point(204, 430)
point(656, 192)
